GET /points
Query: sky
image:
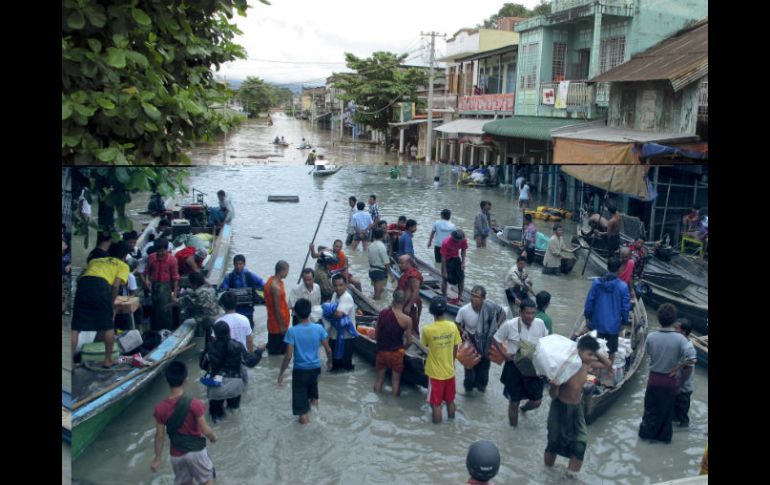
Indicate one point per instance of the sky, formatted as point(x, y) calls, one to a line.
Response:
point(310, 37)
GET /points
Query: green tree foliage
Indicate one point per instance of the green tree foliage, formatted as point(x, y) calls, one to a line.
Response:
point(283, 96)
point(379, 83)
point(517, 10)
point(137, 78)
point(256, 95)
point(111, 187)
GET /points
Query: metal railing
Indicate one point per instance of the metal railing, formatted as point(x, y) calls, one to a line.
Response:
point(703, 100)
point(579, 95)
point(487, 102)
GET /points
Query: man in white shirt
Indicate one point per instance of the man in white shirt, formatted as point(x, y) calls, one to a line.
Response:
point(362, 223)
point(524, 196)
point(519, 380)
point(345, 306)
point(240, 330)
point(309, 290)
point(442, 229)
point(379, 263)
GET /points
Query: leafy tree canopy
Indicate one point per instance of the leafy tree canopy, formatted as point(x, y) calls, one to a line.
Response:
point(256, 95)
point(379, 83)
point(137, 78)
point(517, 10)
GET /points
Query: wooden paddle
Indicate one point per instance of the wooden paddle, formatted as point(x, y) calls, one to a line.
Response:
point(141, 371)
point(313, 241)
point(591, 248)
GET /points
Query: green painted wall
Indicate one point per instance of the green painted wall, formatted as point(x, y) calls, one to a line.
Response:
point(657, 19)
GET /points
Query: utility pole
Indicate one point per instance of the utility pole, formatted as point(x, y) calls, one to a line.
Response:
point(224, 114)
point(429, 146)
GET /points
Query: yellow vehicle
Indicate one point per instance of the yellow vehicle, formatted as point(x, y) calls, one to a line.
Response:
point(549, 213)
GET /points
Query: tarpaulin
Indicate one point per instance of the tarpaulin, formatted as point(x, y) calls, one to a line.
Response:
point(628, 179)
point(576, 151)
point(656, 150)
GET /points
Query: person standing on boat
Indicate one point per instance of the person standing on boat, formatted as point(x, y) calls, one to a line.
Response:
point(405, 245)
point(96, 291)
point(162, 277)
point(223, 213)
point(518, 378)
point(240, 277)
point(346, 306)
point(481, 225)
point(442, 228)
point(682, 402)
point(184, 419)
point(302, 343)
point(379, 264)
point(442, 339)
point(362, 223)
point(529, 238)
point(613, 230)
point(309, 290)
point(607, 306)
point(311, 158)
point(567, 429)
point(517, 284)
point(351, 228)
point(453, 257)
point(626, 273)
point(666, 348)
point(639, 256)
point(389, 332)
point(277, 309)
point(410, 282)
point(478, 321)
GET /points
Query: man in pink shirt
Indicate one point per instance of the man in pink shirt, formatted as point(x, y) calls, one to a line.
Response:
point(162, 277)
point(453, 249)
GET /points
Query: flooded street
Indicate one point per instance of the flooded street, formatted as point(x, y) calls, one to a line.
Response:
point(357, 436)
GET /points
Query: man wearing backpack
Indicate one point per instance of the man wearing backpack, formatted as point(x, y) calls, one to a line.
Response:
point(183, 418)
point(240, 277)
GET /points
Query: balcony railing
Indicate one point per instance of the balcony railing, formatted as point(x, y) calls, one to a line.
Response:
point(559, 5)
point(579, 95)
point(487, 102)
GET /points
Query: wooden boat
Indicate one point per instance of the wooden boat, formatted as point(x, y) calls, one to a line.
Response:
point(431, 286)
point(284, 144)
point(701, 345)
point(469, 182)
point(366, 347)
point(599, 398)
point(324, 170)
point(690, 299)
point(283, 198)
point(510, 237)
point(98, 397)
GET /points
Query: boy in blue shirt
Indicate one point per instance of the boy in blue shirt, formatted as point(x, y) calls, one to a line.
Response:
point(306, 338)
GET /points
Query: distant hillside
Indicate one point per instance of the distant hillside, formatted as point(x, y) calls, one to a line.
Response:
point(293, 87)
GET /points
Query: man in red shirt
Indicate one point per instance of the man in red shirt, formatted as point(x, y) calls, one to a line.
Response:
point(409, 282)
point(453, 249)
point(183, 418)
point(395, 231)
point(190, 260)
point(162, 277)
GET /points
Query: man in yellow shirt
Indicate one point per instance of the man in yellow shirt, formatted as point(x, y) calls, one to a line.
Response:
point(97, 288)
point(442, 339)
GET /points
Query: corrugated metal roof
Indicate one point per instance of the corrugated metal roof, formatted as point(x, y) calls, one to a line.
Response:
point(681, 59)
point(532, 127)
point(468, 126)
point(621, 135)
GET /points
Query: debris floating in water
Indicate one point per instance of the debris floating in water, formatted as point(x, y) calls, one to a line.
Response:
point(283, 198)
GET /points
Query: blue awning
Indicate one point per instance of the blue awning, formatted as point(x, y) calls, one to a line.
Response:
point(655, 150)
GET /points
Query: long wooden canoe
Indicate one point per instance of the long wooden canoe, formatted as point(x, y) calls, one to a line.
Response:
point(600, 398)
point(414, 357)
point(431, 285)
point(92, 408)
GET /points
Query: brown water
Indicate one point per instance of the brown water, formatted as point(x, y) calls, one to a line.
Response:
point(357, 436)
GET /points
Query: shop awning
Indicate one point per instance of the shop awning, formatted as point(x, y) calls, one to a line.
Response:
point(627, 179)
point(466, 126)
point(531, 127)
point(409, 123)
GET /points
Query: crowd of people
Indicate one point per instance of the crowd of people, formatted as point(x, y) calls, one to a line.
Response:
point(320, 312)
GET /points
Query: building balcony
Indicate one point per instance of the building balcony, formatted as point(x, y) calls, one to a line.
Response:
point(487, 104)
point(580, 96)
point(570, 10)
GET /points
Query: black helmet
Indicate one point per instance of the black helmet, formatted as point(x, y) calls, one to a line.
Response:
point(437, 306)
point(483, 460)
